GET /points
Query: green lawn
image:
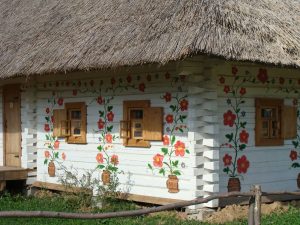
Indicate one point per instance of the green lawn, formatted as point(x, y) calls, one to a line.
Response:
point(292, 217)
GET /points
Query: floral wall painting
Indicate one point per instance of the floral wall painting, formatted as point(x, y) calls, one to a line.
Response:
point(52, 155)
point(168, 161)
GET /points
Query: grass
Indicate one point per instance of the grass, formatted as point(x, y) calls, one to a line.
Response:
point(58, 203)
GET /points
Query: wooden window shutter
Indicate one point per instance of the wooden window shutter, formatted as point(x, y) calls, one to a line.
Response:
point(153, 123)
point(289, 122)
point(60, 124)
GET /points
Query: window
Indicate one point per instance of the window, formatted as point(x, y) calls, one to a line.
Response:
point(71, 123)
point(141, 123)
point(274, 122)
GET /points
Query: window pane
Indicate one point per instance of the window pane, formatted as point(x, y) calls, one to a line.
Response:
point(76, 114)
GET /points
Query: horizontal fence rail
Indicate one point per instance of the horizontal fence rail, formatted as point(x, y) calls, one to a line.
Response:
point(253, 216)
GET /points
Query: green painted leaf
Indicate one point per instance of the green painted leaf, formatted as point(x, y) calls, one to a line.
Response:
point(242, 147)
point(45, 161)
point(226, 170)
point(47, 119)
point(243, 124)
point(165, 150)
point(229, 137)
point(184, 116)
point(109, 108)
point(109, 129)
point(173, 139)
point(295, 165)
point(187, 151)
point(176, 172)
point(101, 113)
point(162, 171)
point(175, 163)
point(295, 143)
point(100, 148)
point(150, 167)
point(181, 119)
point(173, 107)
point(100, 167)
point(56, 154)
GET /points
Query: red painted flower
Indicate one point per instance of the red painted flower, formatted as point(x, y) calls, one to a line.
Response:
point(56, 144)
point(148, 77)
point(169, 118)
point(244, 136)
point(158, 160)
point(63, 156)
point(92, 83)
point(110, 116)
point(168, 96)
point(99, 158)
point(243, 91)
point(226, 89)
point(184, 105)
point(234, 70)
point(47, 127)
point(100, 100)
point(281, 80)
point(113, 81)
point(222, 80)
point(60, 101)
point(108, 138)
point(166, 140)
point(167, 75)
point(74, 92)
point(227, 159)
point(242, 164)
point(129, 79)
point(47, 154)
point(229, 118)
point(100, 124)
point(262, 75)
point(47, 110)
point(179, 148)
point(114, 160)
point(293, 155)
point(142, 87)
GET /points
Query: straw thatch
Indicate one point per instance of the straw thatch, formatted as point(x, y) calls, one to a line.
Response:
point(42, 36)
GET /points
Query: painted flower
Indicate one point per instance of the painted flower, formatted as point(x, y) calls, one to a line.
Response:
point(166, 140)
point(167, 75)
point(184, 105)
point(113, 81)
point(179, 148)
point(56, 144)
point(222, 80)
point(60, 101)
point(142, 87)
point(167, 96)
point(243, 91)
point(234, 70)
point(47, 127)
point(108, 138)
point(281, 80)
point(110, 116)
point(293, 155)
point(99, 158)
point(100, 124)
point(262, 75)
point(148, 77)
point(242, 164)
point(244, 136)
point(100, 100)
point(114, 159)
point(169, 118)
point(47, 154)
point(63, 156)
point(158, 160)
point(226, 89)
point(229, 118)
point(227, 159)
point(74, 92)
point(129, 79)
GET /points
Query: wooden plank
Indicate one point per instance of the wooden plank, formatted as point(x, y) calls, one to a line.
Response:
point(58, 187)
point(13, 174)
point(149, 199)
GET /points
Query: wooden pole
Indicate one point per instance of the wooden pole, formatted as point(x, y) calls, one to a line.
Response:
point(251, 208)
point(257, 207)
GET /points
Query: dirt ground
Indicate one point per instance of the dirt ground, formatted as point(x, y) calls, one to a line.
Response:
point(236, 212)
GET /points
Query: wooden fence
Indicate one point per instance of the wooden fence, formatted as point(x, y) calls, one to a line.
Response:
point(254, 213)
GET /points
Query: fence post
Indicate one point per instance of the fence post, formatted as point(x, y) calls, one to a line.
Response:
point(251, 208)
point(257, 207)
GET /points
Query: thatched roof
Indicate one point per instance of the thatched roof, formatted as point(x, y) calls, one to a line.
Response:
point(42, 36)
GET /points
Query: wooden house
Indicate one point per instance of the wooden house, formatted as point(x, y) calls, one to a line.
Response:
point(179, 99)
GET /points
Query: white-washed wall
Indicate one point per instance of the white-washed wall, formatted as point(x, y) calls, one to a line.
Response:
point(1, 129)
point(137, 177)
point(270, 166)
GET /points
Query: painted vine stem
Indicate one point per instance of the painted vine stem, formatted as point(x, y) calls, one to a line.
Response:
point(52, 143)
point(167, 162)
point(237, 140)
